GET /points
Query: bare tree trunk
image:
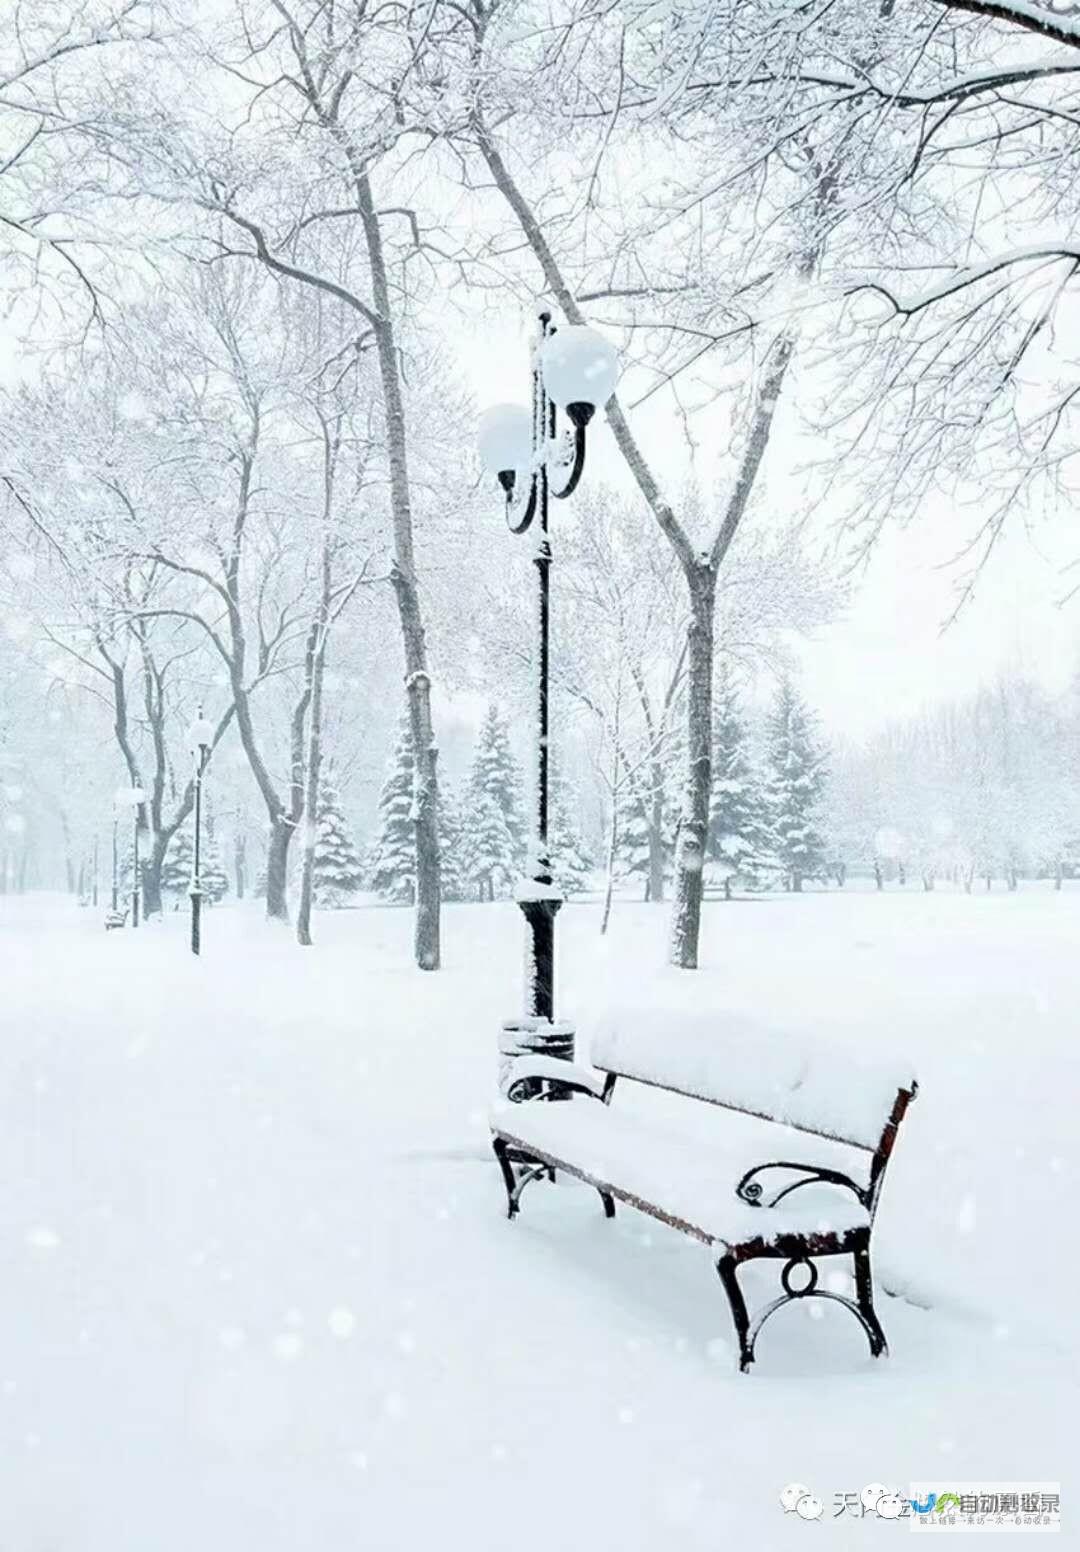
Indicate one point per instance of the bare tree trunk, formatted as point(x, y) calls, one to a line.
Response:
point(151, 875)
point(314, 761)
point(240, 860)
point(69, 862)
point(796, 882)
point(277, 868)
point(694, 826)
point(657, 849)
point(613, 841)
point(427, 942)
point(1058, 871)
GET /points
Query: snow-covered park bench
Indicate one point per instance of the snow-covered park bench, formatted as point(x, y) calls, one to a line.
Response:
point(114, 919)
point(831, 1117)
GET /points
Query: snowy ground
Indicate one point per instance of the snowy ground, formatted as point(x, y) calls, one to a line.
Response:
point(259, 1293)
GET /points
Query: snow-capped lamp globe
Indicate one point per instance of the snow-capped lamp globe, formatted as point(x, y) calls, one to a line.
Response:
point(200, 734)
point(129, 797)
point(580, 369)
point(505, 442)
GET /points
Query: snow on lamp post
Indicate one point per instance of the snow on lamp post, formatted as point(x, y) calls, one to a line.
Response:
point(133, 798)
point(573, 369)
point(201, 737)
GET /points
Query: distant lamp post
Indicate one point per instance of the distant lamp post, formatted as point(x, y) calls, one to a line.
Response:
point(201, 737)
point(573, 369)
point(133, 797)
point(115, 866)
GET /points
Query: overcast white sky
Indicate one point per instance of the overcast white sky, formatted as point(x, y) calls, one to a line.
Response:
point(888, 656)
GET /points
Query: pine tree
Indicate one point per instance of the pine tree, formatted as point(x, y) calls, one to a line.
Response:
point(176, 871)
point(488, 848)
point(795, 785)
point(570, 861)
point(176, 868)
point(737, 820)
point(392, 864)
point(493, 844)
point(212, 875)
point(632, 841)
point(337, 869)
point(455, 880)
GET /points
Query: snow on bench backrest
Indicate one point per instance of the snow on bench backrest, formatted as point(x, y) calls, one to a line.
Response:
point(801, 1080)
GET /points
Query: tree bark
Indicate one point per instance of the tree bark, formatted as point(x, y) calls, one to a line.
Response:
point(151, 868)
point(240, 860)
point(427, 940)
point(314, 761)
point(277, 868)
point(694, 826)
point(657, 849)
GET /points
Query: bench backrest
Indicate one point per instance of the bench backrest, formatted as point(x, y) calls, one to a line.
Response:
point(798, 1081)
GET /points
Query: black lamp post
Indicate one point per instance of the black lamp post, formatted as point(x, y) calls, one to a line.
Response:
point(135, 797)
point(201, 737)
point(115, 868)
point(574, 369)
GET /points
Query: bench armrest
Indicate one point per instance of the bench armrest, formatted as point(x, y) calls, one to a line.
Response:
point(556, 1075)
point(751, 1190)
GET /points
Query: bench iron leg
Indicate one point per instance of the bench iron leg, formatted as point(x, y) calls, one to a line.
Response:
point(515, 1183)
point(726, 1269)
point(864, 1295)
point(608, 1201)
point(501, 1153)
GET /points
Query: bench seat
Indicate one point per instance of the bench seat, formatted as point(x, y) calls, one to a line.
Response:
point(679, 1180)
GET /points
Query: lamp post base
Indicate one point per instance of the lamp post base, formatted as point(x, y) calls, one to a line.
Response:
point(537, 1032)
point(531, 1036)
point(196, 921)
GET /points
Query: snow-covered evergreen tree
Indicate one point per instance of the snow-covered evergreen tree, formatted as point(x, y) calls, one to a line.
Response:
point(455, 879)
point(571, 863)
point(795, 774)
point(488, 848)
point(179, 861)
point(337, 869)
point(493, 840)
point(642, 849)
point(392, 863)
point(212, 875)
point(632, 840)
point(737, 819)
point(176, 869)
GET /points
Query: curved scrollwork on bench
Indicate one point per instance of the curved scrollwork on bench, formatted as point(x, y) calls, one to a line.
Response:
point(526, 1087)
point(751, 1190)
point(861, 1306)
point(548, 1078)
